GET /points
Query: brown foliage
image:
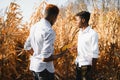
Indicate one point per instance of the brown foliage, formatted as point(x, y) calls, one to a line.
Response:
point(11, 46)
point(14, 61)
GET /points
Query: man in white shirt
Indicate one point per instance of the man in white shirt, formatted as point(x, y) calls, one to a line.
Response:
point(87, 47)
point(41, 40)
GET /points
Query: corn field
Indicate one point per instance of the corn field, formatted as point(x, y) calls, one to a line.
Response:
point(14, 61)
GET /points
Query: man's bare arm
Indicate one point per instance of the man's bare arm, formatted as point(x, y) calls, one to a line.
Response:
point(54, 57)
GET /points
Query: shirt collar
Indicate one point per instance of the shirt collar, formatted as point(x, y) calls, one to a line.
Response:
point(86, 30)
point(43, 20)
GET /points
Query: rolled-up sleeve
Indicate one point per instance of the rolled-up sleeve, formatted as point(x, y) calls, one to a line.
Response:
point(48, 48)
point(95, 49)
point(27, 45)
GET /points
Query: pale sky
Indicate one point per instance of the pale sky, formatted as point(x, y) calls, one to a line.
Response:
point(28, 6)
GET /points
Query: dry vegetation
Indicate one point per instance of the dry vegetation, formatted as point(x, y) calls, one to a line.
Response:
point(14, 61)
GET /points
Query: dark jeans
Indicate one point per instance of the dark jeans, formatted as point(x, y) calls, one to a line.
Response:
point(44, 75)
point(83, 73)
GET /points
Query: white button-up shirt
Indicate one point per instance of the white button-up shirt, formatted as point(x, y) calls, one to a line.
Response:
point(87, 46)
point(41, 39)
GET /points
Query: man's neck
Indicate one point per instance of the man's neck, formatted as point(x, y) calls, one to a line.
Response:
point(49, 20)
point(84, 27)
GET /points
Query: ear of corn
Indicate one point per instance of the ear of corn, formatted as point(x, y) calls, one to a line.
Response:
point(66, 47)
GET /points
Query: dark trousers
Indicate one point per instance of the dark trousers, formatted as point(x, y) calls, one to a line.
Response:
point(83, 73)
point(44, 75)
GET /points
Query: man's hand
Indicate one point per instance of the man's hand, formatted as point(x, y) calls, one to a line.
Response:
point(94, 61)
point(63, 52)
point(73, 49)
point(31, 51)
point(94, 68)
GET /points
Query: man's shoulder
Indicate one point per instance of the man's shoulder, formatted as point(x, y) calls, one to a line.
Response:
point(36, 24)
point(46, 30)
point(93, 32)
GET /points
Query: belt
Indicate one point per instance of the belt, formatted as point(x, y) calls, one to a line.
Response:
point(83, 65)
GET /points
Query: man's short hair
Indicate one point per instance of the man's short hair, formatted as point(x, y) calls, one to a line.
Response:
point(85, 15)
point(51, 10)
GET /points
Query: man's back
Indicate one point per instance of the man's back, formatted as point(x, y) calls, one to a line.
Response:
point(41, 40)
